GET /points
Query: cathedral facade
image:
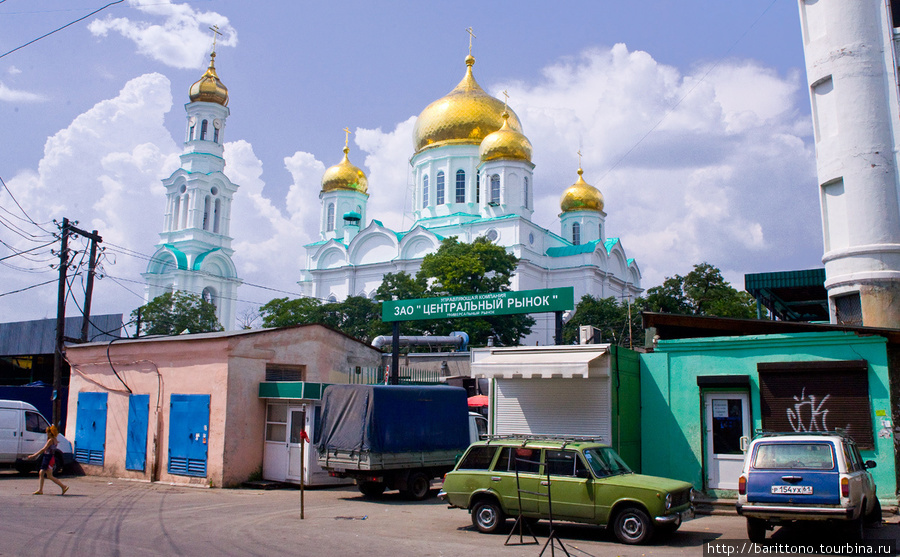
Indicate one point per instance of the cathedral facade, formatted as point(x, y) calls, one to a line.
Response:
point(473, 177)
point(194, 252)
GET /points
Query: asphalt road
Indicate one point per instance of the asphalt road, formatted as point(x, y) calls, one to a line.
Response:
point(101, 516)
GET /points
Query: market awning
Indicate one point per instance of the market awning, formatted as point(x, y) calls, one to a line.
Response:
point(544, 362)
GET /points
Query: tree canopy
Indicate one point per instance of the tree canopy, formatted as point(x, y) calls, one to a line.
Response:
point(175, 312)
point(610, 316)
point(703, 291)
point(456, 268)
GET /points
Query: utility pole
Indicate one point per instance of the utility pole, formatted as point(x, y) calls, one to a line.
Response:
point(60, 321)
point(89, 288)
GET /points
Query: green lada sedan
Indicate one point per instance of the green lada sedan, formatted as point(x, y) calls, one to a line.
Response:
point(579, 480)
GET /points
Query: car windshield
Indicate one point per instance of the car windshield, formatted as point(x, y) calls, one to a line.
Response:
point(605, 462)
point(816, 456)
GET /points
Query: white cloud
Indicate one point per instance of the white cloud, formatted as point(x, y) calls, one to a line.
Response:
point(13, 70)
point(181, 39)
point(387, 162)
point(12, 95)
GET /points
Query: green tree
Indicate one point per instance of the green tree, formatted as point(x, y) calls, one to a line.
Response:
point(609, 315)
point(356, 316)
point(175, 312)
point(402, 286)
point(459, 268)
point(703, 291)
point(283, 312)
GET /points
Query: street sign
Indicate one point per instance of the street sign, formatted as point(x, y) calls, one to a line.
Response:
point(477, 305)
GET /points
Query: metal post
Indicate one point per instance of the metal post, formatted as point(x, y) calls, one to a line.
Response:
point(60, 322)
point(559, 328)
point(395, 355)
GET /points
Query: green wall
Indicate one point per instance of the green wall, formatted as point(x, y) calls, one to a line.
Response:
point(625, 390)
point(671, 406)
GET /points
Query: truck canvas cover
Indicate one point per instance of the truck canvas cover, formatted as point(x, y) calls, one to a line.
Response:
point(394, 419)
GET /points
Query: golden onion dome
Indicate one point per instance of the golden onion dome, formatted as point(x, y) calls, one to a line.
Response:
point(210, 88)
point(345, 176)
point(465, 116)
point(505, 143)
point(581, 196)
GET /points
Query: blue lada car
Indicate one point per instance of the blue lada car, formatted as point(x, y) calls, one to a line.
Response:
point(791, 477)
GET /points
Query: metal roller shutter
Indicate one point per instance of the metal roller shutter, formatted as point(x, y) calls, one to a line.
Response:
point(553, 407)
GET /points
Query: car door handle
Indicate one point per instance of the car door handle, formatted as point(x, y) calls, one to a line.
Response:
point(545, 482)
point(792, 479)
point(495, 478)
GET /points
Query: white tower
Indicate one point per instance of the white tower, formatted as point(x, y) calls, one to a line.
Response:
point(851, 67)
point(194, 253)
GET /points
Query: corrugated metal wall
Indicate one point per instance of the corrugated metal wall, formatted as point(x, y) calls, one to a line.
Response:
point(553, 407)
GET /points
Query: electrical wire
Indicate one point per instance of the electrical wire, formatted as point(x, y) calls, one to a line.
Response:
point(16, 201)
point(27, 288)
point(61, 28)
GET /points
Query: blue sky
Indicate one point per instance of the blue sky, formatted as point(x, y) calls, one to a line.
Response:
point(693, 117)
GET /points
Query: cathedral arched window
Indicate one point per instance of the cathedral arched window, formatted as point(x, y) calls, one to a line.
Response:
point(439, 185)
point(186, 210)
point(600, 231)
point(477, 186)
point(216, 135)
point(495, 189)
point(191, 132)
point(217, 208)
point(425, 191)
point(207, 205)
point(209, 296)
point(203, 127)
point(525, 191)
point(176, 212)
point(329, 217)
point(576, 233)
point(460, 186)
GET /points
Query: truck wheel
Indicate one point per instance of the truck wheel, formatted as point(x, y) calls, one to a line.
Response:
point(59, 465)
point(418, 486)
point(633, 526)
point(756, 530)
point(371, 489)
point(487, 516)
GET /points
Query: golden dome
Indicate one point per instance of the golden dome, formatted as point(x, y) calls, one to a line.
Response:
point(210, 88)
point(505, 143)
point(581, 196)
point(465, 116)
point(345, 176)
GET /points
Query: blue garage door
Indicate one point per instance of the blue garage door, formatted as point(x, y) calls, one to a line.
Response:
point(188, 434)
point(90, 429)
point(138, 418)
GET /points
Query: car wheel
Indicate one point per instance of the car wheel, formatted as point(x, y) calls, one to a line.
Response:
point(874, 517)
point(59, 465)
point(756, 530)
point(371, 489)
point(487, 516)
point(633, 526)
point(418, 486)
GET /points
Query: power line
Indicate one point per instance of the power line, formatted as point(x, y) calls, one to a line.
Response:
point(61, 28)
point(16, 201)
point(27, 288)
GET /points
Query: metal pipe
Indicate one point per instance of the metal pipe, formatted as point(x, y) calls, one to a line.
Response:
point(458, 339)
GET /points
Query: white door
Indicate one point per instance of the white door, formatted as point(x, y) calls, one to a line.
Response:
point(727, 420)
point(295, 450)
point(275, 457)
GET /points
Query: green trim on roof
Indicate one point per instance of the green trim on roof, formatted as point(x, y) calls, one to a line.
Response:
point(199, 260)
point(180, 257)
point(784, 279)
point(609, 244)
point(565, 251)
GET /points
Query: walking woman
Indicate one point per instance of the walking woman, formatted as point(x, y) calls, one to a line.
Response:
point(49, 452)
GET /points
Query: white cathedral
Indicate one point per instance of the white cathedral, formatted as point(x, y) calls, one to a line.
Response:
point(473, 176)
point(194, 253)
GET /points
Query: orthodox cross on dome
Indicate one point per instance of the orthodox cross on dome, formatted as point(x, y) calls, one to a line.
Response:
point(347, 137)
point(579, 158)
point(505, 100)
point(471, 36)
point(216, 33)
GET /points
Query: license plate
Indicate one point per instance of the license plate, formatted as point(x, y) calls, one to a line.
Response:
point(793, 489)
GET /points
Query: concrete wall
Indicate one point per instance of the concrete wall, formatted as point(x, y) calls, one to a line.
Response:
point(673, 438)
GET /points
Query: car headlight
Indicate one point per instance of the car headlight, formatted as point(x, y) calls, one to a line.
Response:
point(668, 501)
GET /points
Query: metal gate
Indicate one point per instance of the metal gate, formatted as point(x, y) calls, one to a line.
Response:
point(138, 418)
point(553, 407)
point(188, 434)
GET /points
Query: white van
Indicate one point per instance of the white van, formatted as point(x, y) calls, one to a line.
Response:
point(23, 431)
